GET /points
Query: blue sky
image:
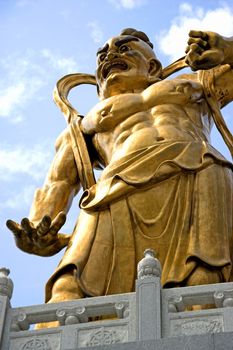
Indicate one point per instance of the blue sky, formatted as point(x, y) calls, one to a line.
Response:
point(42, 40)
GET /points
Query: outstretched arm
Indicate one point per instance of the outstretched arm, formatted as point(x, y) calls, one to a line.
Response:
point(208, 50)
point(39, 234)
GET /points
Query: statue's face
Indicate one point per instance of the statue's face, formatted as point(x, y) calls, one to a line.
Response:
point(123, 64)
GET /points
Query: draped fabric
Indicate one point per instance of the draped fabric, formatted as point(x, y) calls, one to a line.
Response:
point(173, 197)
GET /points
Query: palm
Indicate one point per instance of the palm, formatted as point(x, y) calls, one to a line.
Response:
point(42, 239)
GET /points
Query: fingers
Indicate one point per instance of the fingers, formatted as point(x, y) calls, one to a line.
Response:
point(14, 227)
point(198, 34)
point(47, 228)
point(27, 226)
point(22, 234)
point(44, 226)
point(41, 239)
point(193, 55)
point(206, 60)
point(47, 238)
point(57, 223)
point(196, 43)
point(197, 46)
point(193, 60)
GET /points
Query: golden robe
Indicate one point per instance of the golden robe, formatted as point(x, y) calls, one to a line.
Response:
point(174, 197)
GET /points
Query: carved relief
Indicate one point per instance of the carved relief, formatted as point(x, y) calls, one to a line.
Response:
point(37, 344)
point(194, 326)
point(201, 327)
point(104, 337)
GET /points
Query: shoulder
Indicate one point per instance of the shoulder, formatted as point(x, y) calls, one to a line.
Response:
point(90, 122)
point(167, 86)
point(63, 139)
point(188, 76)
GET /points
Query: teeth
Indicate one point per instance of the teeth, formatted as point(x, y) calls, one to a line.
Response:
point(115, 64)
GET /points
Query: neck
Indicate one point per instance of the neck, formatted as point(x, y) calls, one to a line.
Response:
point(113, 92)
point(112, 89)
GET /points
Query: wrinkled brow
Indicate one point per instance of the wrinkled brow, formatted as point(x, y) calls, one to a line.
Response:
point(125, 40)
point(118, 43)
point(103, 49)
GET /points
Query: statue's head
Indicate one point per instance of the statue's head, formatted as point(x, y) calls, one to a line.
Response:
point(126, 63)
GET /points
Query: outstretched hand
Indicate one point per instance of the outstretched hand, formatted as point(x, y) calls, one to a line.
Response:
point(205, 50)
point(42, 239)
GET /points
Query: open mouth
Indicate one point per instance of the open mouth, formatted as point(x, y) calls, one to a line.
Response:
point(116, 64)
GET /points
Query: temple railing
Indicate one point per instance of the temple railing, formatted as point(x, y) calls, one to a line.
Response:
point(150, 313)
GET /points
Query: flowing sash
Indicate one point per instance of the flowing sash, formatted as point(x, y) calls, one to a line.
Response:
point(73, 118)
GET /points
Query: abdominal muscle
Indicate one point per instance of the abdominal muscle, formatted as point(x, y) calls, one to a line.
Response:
point(145, 129)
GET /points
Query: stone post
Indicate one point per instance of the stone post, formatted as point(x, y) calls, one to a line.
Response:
point(6, 289)
point(148, 299)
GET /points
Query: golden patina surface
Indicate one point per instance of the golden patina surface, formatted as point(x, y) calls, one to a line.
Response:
point(163, 185)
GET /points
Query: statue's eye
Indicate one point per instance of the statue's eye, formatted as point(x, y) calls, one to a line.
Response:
point(102, 57)
point(124, 48)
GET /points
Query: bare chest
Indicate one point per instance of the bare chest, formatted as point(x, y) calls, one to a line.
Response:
point(144, 129)
point(128, 122)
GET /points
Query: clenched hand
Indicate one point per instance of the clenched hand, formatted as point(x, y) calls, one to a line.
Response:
point(206, 50)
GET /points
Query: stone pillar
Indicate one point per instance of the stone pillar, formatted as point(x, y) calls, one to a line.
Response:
point(148, 299)
point(6, 289)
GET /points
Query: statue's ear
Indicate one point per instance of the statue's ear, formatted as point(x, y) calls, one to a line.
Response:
point(155, 70)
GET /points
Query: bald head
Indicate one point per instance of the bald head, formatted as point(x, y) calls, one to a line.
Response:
point(137, 34)
point(131, 34)
point(127, 59)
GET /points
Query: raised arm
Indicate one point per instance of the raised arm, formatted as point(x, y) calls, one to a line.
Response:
point(208, 50)
point(39, 234)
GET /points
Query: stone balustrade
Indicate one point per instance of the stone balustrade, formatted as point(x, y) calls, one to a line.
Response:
point(150, 314)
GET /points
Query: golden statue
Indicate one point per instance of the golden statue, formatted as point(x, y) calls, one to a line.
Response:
point(163, 185)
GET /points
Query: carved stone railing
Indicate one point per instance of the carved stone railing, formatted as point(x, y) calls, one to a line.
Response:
point(149, 314)
point(216, 315)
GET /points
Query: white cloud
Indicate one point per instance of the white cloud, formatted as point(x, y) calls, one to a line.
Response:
point(185, 7)
point(24, 75)
point(19, 160)
point(21, 79)
point(11, 97)
point(65, 64)
point(127, 4)
point(96, 32)
point(172, 41)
